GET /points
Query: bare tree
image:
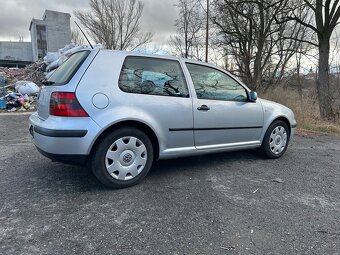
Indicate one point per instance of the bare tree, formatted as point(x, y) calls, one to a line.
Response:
point(115, 23)
point(326, 14)
point(189, 40)
point(260, 47)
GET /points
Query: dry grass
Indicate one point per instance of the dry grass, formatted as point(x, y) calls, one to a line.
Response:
point(306, 110)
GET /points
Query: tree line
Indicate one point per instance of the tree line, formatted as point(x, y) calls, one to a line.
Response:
point(256, 38)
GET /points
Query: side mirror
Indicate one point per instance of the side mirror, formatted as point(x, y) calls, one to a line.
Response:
point(252, 96)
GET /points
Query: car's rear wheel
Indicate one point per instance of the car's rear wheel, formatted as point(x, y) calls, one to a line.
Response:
point(275, 141)
point(122, 158)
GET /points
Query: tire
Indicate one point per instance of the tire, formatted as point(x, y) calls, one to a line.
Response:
point(122, 158)
point(275, 141)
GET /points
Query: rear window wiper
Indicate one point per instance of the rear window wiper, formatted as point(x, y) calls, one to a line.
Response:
point(47, 83)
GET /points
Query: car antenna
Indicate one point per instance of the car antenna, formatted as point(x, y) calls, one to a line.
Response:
point(84, 34)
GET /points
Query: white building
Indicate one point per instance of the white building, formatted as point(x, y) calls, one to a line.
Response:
point(47, 35)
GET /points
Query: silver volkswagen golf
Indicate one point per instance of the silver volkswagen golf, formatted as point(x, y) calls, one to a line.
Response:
point(119, 111)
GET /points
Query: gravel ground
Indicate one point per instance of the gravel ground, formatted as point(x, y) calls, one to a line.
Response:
point(229, 203)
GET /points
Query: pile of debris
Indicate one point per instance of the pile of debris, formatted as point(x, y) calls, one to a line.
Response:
point(32, 73)
point(21, 96)
point(19, 87)
point(54, 59)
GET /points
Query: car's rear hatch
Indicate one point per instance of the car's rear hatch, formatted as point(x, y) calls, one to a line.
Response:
point(65, 79)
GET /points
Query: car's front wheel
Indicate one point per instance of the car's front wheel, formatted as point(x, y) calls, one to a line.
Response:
point(275, 141)
point(122, 158)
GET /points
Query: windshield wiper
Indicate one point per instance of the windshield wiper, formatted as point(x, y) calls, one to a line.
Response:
point(48, 83)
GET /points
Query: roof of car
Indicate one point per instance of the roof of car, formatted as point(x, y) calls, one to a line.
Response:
point(132, 53)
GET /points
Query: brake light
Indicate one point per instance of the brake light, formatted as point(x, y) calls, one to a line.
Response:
point(66, 104)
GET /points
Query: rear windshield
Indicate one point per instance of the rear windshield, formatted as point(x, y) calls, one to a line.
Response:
point(65, 72)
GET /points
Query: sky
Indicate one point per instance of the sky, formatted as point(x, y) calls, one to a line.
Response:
point(15, 16)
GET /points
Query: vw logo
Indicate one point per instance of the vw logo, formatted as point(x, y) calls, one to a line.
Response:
point(127, 158)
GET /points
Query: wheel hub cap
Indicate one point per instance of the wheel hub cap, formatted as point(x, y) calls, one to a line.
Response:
point(126, 158)
point(278, 140)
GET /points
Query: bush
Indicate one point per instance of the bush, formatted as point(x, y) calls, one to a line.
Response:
point(305, 107)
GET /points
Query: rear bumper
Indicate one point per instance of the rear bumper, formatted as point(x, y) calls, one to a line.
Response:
point(59, 133)
point(59, 137)
point(67, 159)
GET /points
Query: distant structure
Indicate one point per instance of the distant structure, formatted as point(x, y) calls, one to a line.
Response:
point(15, 54)
point(47, 35)
point(51, 33)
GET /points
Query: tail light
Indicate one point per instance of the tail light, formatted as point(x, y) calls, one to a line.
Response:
point(65, 104)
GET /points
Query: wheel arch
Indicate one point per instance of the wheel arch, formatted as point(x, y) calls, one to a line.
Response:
point(269, 122)
point(130, 123)
point(285, 120)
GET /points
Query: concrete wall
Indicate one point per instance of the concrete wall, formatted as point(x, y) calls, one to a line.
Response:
point(33, 32)
point(17, 51)
point(34, 49)
point(58, 30)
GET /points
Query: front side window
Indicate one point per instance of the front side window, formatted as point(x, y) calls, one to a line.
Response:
point(213, 84)
point(143, 75)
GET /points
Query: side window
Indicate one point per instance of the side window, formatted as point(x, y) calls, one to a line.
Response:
point(213, 84)
point(153, 76)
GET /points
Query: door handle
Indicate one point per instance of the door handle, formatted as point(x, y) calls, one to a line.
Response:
point(203, 108)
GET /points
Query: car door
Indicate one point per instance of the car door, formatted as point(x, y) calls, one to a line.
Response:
point(158, 94)
point(223, 115)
